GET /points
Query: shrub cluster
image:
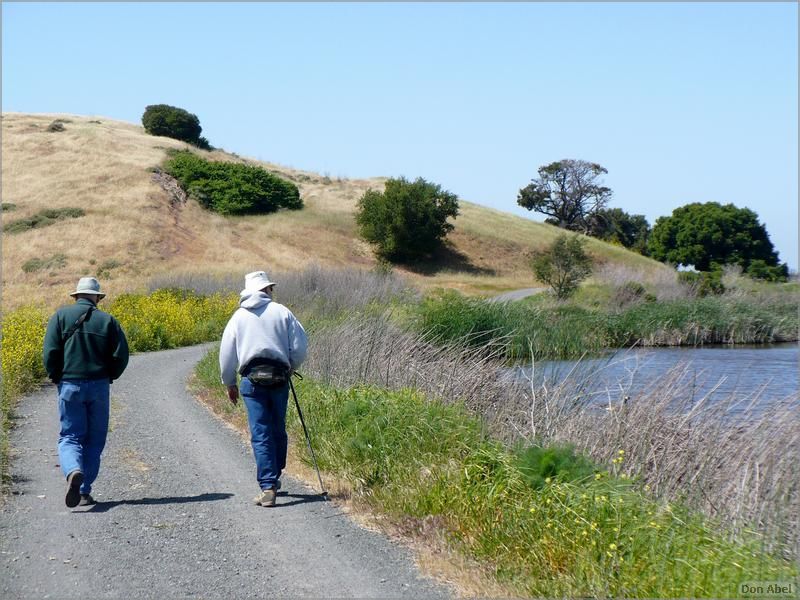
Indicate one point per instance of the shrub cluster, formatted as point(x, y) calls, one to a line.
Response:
point(174, 122)
point(703, 283)
point(232, 188)
point(760, 269)
point(57, 125)
point(563, 265)
point(43, 218)
point(56, 261)
point(560, 462)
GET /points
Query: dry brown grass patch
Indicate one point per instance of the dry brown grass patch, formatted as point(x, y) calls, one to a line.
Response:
point(103, 166)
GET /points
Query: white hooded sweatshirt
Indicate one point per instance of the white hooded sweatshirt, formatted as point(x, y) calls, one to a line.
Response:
point(260, 328)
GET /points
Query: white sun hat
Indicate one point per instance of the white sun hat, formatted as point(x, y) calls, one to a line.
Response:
point(256, 281)
point(88, 285)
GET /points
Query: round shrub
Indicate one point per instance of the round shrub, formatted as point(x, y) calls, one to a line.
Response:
point(232, 188)
point(538, 465)
point(173, 122)
point(408, 220)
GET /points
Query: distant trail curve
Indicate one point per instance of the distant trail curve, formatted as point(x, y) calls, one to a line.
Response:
point(515, 295)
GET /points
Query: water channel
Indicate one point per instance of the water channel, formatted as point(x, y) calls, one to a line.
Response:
point(756, 376)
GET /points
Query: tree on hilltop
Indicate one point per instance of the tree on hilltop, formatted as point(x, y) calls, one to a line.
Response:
point(568, 192)
point(174, 122)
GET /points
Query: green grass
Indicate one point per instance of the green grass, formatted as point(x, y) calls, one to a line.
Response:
point(541, 329)
point(597, 536)
point(545, 522)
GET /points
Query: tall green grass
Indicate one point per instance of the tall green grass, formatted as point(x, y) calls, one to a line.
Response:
point(541, 330)
point(546, 522)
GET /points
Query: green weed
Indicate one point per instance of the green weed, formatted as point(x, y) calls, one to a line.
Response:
point(56, 261)
point(42, 219)
point(568, 534)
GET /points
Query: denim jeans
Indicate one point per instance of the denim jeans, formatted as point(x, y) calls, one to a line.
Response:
point(266, 415)
point(83, 405)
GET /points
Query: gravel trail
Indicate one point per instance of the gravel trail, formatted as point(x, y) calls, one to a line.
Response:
point(174, 517)
point(515, 295)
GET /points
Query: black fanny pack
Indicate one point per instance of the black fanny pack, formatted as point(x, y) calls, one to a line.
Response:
point(266, 372)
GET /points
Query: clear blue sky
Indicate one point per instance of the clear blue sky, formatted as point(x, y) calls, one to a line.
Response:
point(681, 102)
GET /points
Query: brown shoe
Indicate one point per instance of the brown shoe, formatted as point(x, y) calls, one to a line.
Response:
point(74, 481)
point(87, 500)
point(266, 498)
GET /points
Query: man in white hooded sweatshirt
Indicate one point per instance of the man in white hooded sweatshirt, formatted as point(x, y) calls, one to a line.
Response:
point(264, 342)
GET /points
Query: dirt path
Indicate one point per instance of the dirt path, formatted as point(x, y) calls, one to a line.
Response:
point(518, 294)
point(175, 517)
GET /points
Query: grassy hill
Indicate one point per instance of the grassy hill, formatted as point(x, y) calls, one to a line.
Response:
point(133, 229)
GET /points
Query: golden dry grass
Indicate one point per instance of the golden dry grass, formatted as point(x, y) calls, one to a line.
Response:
point(132, 231)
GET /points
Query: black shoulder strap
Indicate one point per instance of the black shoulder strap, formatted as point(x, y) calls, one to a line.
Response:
point(78, 323)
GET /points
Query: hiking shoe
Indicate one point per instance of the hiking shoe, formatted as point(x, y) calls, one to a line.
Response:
point(266, 498)
point(74, 481)
point(87, 500)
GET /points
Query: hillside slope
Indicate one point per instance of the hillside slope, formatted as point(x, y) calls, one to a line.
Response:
point(133, 229)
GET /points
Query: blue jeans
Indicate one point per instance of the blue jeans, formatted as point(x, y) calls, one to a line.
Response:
point(266, 415)
point(83, 405)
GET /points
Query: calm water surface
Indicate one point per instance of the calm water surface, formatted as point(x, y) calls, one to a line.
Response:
point(762, 375)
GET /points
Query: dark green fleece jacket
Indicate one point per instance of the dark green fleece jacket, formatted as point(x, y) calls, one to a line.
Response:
point(98, 348)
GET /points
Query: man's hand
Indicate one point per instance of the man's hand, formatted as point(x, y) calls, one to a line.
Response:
point(233, 394)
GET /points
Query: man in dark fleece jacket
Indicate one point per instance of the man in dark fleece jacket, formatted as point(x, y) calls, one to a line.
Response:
point(85, 349)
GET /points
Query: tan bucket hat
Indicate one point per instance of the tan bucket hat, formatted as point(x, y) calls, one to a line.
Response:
point(88, 285)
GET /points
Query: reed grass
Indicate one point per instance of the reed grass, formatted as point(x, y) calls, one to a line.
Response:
point(722, 455)
point(539, 329)
point(317, 293)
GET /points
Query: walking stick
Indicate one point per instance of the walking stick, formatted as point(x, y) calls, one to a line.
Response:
point(308, 438)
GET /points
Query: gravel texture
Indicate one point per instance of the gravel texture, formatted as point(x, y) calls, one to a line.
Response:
point(518, 294)
point(175, 517)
